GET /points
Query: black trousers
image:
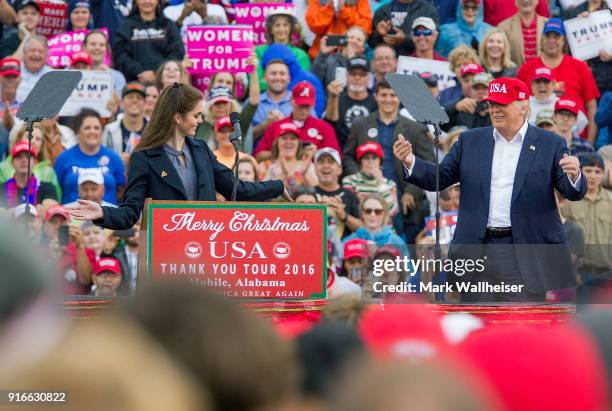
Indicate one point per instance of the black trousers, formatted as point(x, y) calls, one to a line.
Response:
point(501, 267)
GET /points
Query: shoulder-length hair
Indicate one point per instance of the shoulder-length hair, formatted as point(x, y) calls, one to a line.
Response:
point(270, 22)
point(484, 54)
point(17, 137)
point(185, 78)
point(276, 152)
point(383, 203)
point(177, 99)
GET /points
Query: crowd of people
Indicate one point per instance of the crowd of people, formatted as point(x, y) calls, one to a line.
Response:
point(315, 113)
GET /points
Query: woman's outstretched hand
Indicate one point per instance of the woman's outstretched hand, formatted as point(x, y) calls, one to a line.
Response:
point(287, 196)
point(86, 210)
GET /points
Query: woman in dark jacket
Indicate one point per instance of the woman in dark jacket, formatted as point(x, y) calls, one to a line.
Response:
point(144, 40)
point(169, 165)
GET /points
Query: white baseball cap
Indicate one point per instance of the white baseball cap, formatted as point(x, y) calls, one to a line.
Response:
point(93, 175)
point(426, 22)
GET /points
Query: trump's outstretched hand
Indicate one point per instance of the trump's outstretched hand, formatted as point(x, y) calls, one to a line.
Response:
point(402, 149)
point(86, 210)
point(570, 166)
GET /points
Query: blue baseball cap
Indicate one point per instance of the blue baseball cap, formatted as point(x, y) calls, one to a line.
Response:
point(554, 25)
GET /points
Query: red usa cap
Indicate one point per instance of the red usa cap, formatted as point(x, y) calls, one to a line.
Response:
point(288, 128)
point(567, 104)
point(107, 264)
point(223, 122)
point(304, 94)
point(543, 73)
point(21, 147)
point(370, 147)
point(356, 247)
point(470, 68)
point(506, 90)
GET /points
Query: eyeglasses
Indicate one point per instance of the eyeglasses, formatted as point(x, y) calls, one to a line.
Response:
point(473, 7)
point(425, 33)
point(377, 211)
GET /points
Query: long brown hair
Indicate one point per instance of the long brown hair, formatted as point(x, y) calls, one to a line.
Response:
point(176, 99)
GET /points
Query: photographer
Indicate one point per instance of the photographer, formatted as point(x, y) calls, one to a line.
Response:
point(479, 117)
point(65, 244)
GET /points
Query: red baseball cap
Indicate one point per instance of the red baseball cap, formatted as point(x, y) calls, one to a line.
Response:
point(304, 94)
point(223, 122)
point(57, 210)
point(470, 68)
point(567, 104)
point(21, 147)
point(287, 128)
point(388, 249)
point(80, 57)
point(370, 147)
point(543, 73)
point(356, 247)
point(408, 331)
point(559, 367)
point(10, 67)
point(107, 264)
point(506, 90)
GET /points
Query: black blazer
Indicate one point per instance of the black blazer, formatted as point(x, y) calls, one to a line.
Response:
point(151, 174)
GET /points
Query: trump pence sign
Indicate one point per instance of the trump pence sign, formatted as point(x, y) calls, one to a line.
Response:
point(243, 250)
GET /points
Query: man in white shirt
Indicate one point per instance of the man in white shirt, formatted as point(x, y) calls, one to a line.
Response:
point(35, 53)
point(508, 174)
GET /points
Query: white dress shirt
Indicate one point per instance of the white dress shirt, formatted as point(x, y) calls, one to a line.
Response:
point(505, 159)
point(503, 169)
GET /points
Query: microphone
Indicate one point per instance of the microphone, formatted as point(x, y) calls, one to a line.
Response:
point(236, 136)
point(236, 140)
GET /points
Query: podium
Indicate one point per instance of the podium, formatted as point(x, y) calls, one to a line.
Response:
point(253, 251)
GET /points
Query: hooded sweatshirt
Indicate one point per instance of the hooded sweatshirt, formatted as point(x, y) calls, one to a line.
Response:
point(141, 45)
point(459, 32)
point(297, 74)
point(386, 236)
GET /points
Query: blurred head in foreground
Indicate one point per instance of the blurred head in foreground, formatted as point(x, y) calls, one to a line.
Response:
point(236, 355)
point(111, 364)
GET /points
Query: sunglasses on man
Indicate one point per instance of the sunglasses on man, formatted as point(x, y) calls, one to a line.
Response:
point(425, 33)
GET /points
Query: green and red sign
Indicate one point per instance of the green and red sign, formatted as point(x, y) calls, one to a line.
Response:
point(253, 251)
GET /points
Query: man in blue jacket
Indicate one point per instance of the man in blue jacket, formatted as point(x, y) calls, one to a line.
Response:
point(508, 174)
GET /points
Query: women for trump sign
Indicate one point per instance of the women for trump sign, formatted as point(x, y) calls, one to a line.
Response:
point(256, 14)
point(242, 250)
point(213, 49)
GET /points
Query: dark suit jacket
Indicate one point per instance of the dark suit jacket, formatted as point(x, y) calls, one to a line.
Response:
point(145, 180)
point(534, 215)
point(411, 130)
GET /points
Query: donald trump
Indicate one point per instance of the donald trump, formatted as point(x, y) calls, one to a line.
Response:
point(508, 173)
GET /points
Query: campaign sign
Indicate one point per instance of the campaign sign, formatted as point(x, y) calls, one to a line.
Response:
point(588, 35)
point(242, 250)
point(64, 45)
point(448, 223)
point(93, 91)
point(53, 17)
point(415, 66)
point(213, 49)
point(255, 16)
